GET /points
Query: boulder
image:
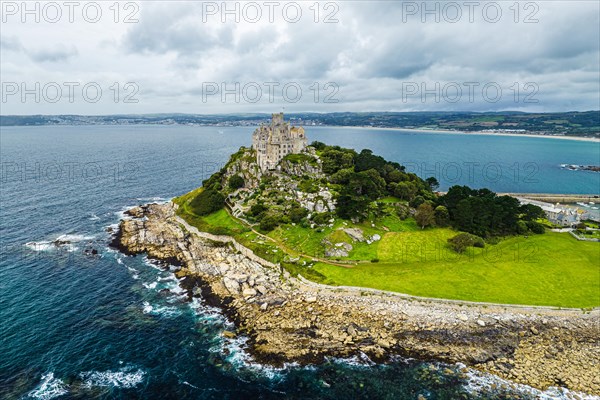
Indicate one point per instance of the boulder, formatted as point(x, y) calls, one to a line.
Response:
point(232, 285)
point(355, 234)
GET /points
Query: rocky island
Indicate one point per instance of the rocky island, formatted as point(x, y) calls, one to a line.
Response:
point(218, 237)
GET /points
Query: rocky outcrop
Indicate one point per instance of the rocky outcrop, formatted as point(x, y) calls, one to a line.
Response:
point(287, 319)
point(246, 167)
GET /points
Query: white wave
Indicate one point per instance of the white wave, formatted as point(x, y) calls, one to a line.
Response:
point(121, 213)
point(74, 238)
point(208, 313)
point(94, 217)
point(158, 200)
point(242, 362)
point(174, 287)
point(152, 263)
point(122, 378)
point(189, 384)
point(45, 245)
point(63, 242)
point(150, 285)
point(480, 383)
point(360, 360)
point(160, 310)
point(49, 388)
point(40, 246)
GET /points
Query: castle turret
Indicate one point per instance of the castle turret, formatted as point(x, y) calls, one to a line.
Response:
point(275, 141)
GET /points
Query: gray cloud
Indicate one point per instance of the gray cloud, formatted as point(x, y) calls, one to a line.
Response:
point(371, 53)
point(10, 43)
point(53, 54)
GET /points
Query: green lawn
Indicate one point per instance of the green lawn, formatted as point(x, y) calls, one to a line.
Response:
point(551, 269)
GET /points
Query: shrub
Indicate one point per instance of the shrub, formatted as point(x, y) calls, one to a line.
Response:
point(269, 222)
point(522, 228)
point(460, 242)
point(257, 209)
point(322, 218)
point(236, 182)
point(308, 186)
point(536, 227)
point(442, 217)
point(402, 211)
point(375, 260)
point(207, 202)
point(297, 213)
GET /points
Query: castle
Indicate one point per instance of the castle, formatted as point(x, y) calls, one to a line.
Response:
point(273, 142)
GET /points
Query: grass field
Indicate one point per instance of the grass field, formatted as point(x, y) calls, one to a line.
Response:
point(552, 269)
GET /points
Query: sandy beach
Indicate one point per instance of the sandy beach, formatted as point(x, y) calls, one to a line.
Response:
point(477, 133)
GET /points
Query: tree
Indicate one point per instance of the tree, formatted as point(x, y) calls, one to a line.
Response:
point(405, 191)
point(425, 215)
point(342, 176)
point(395, 176)
point(236, 182)
point(318, 145)
point(531, 212)
point(334, 159)
point(442, 217)
point(433, 183)
point(417, 201)
point(365, 160)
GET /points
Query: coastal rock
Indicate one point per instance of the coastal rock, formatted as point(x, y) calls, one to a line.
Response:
point(287, 319)
point(232, 285)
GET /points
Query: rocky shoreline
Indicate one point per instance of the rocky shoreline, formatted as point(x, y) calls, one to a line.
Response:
point(287, 320)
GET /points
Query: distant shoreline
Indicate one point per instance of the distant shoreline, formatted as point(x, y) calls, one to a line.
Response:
point(435, 131)
point(447, 131)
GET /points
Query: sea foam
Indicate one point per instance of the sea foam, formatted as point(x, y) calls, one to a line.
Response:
point(123, 378)
point(49, 388)
point(480, 383)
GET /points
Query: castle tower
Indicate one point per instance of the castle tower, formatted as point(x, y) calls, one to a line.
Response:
point(274, 141)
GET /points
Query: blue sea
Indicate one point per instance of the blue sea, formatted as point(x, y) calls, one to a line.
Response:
point(78, 325)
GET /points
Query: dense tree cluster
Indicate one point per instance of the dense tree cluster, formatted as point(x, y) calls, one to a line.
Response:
point(364, 177)
point(484, 213)
point(359, 180)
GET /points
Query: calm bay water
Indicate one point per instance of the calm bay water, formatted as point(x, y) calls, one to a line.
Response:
point(80, 326)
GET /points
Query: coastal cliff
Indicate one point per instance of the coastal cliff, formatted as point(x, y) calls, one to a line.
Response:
point(289, 320)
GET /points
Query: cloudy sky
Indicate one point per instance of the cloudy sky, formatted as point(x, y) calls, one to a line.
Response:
point(211, 57)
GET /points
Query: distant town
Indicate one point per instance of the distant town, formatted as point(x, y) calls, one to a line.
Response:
point(576, 124)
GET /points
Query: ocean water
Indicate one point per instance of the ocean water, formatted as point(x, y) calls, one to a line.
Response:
point(77, 325)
